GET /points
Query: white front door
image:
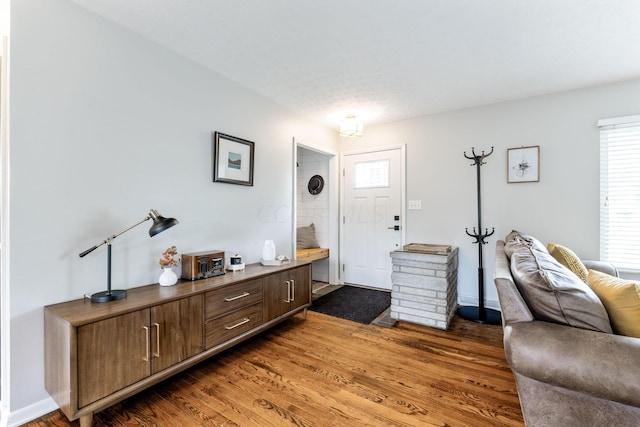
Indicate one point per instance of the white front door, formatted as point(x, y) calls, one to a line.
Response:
point(372, 216)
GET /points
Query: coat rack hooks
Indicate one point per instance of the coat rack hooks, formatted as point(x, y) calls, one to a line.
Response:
point(479, 314)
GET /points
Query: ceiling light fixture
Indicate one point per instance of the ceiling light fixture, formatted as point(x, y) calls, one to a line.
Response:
point(351, 126)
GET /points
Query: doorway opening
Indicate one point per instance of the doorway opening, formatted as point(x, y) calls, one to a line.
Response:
point(315, 212)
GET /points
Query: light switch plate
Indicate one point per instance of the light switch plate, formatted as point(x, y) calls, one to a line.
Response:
point(415, 205)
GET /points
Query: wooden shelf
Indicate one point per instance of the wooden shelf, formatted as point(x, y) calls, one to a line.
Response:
point(312, 254)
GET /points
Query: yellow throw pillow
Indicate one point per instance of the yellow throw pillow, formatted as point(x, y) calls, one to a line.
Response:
point(621, 298)
point(569, 259)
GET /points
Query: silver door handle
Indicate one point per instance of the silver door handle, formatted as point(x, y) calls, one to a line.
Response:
point(395, 227)
point(288, 291)
point(157, 352)
point(146, 335)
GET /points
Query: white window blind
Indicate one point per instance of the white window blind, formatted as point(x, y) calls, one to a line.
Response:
point(620, 191)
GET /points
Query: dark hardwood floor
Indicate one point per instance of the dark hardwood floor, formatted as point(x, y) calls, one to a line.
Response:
point(331, 372)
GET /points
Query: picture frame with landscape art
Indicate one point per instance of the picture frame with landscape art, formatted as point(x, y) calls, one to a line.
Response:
point(232, 159)
point(523, 164)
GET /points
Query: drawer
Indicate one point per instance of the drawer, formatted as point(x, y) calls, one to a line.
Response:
point(229, 298)
point(231, 325)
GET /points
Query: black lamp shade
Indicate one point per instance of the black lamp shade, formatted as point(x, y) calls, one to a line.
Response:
point(160, 223)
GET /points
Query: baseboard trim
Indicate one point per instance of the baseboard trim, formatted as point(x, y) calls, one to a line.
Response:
point(473, 301)
point(29, 413)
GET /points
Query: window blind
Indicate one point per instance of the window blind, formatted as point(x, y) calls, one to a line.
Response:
point(620, 191)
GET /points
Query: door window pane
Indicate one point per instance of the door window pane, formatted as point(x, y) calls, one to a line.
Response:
point(373, 174)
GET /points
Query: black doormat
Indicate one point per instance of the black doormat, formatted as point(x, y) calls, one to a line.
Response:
point(353, 303)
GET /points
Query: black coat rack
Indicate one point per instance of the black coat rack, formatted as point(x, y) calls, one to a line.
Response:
point(480, 314)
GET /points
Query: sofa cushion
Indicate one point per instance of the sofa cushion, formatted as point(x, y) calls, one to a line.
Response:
point(524, 238)
point(621, 298)
point(306, 237)
point(552, 292)
point(569, 259)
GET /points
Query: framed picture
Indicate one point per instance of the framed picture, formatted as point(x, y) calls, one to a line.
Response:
point(523, 164)
point(232, 159)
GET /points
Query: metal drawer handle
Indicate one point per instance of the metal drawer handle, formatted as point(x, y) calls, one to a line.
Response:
point(146, 357)
point(157, 352)
point(288, 282)
point(229, 299)
point(240, 323)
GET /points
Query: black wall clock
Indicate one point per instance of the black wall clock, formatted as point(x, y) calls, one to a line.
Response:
point(316, 184)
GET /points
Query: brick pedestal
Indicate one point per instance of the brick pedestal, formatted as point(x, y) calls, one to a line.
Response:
point(425, 287)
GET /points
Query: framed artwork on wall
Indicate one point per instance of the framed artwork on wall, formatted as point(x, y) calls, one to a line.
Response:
point(523, 164)
point(232, 159)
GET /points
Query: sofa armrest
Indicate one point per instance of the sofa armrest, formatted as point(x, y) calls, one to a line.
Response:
point(602, 266)
point(602, 365)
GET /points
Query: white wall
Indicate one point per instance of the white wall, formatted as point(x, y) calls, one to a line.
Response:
point(314, 209)
point(106, 125)
point(563, 207)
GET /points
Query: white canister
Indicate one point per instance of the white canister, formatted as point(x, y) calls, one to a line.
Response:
point(268, 251)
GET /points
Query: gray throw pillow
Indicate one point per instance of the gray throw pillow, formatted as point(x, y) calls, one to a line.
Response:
point(306, 237)
point(553, 292)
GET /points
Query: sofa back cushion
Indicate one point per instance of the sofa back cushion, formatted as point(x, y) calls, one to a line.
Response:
point(552, 292)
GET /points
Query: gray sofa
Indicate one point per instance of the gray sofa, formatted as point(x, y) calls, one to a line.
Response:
point(566, 375)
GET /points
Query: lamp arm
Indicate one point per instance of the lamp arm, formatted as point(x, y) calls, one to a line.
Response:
point(110, 239)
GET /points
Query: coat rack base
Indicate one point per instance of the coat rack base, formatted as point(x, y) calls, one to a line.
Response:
point(485, 315)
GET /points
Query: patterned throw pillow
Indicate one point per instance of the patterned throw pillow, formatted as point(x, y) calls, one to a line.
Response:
point(569, 259)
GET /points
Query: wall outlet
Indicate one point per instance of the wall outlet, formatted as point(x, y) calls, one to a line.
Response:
point(415, 205)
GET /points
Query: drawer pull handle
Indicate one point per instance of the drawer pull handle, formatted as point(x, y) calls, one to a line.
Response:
point(157, 352)
point(288, 282)
point(240, 323)
point(242, 295)
point(146, 335)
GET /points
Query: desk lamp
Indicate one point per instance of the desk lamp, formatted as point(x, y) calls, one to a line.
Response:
point(160, 224)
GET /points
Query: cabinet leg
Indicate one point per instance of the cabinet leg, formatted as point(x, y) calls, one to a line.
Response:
point(86, 420)
point(304, 314)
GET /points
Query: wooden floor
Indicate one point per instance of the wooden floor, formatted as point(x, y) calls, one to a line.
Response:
point(331, 372)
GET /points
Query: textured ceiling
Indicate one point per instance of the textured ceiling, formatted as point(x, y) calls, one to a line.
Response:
point(389, 60)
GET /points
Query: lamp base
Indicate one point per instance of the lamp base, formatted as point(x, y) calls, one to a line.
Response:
point(488, 315)
point(107, 296)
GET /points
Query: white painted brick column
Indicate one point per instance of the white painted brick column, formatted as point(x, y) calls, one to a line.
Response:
point(425, 287)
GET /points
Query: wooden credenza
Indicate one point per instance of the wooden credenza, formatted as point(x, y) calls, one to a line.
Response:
point(97, 354)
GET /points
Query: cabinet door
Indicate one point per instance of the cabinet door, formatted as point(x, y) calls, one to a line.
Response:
point(286, 291)
point(300, 287)
point(177, 332)
point(112, 354)
point(276, 296)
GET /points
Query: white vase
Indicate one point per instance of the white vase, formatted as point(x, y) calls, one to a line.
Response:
point(268, 251)
point(168, 277)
